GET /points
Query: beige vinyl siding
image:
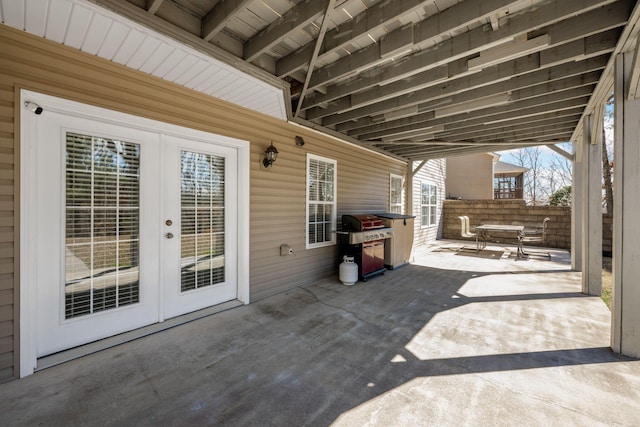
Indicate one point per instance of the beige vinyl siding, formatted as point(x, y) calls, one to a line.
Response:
point(470, 177)
point(278, 208)
point(277, 194)
point(432, 172)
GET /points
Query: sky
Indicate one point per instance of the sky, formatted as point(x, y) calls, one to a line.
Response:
point(547, 154)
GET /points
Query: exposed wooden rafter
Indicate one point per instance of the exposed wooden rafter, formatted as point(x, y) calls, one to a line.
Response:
point(314, 55)
point(219, 17)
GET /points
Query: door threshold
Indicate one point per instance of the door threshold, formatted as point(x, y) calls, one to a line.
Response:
point(96, 346)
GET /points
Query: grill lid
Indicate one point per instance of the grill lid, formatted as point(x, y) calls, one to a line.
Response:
point(361, 222)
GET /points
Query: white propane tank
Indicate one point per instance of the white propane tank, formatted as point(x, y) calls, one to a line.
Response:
point(348, 271)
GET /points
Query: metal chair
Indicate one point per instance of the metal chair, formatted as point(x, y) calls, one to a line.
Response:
point(537, 236)
point(465, 232)
point(464, 227)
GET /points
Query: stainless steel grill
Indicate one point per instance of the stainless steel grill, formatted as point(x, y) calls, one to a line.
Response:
point(363, 237)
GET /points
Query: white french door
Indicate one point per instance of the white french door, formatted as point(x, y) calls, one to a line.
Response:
point(131, 227)
point(199, 225)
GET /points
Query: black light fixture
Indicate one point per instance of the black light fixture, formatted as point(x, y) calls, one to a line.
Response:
point(271, 156)
point(299, 141)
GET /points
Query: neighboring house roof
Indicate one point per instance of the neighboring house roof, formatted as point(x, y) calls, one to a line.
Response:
point(503, 167)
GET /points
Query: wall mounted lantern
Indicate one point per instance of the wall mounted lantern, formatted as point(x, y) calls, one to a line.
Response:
point(271, 156)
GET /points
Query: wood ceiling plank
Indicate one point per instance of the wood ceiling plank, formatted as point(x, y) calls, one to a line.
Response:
point(478, 39)
point(219, 16)
point(375, 17)
point(298, 16)
point(539, 105)
point(503, 72)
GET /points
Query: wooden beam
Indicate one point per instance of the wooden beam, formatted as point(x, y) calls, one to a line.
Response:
point(518, 96)
point(417, 169)
point(540, 105)
point(625, 317)
point(488, 143)
point(591, 210)
point(557, 133)
point(633, 92)
point(153, 6)
point(314, 56)
point(495, 22)
point(566, 59)
point(441, 143)
point(597, 123)
point(367, 90)
point(476, 40)
point(462, 131)
point(626, 42)
point(463, 151)
point(298, 16)
point(371, 20)
point(497, 130)
point(219, 17)
point(477, 82)
point(562, 152)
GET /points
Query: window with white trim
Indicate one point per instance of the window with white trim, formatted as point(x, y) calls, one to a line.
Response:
point(321, 201)
point(428, 204)
point(395, 194)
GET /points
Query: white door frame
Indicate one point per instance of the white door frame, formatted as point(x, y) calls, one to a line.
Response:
point(28, 233)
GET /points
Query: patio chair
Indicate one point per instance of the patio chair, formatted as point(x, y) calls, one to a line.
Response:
point(464, 227)
point(466, 233)
point(537, 236)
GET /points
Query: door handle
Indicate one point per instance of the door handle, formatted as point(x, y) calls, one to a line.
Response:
point(169, 235)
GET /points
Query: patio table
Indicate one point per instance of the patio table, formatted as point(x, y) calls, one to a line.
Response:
point(483, 231)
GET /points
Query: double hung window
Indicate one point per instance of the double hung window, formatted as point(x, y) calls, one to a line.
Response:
point(321, 201)
point(428, 204)
point(395, 194)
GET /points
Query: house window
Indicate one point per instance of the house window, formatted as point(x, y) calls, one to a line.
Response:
point(395, 194)
point(321, 201)
point(428, 202)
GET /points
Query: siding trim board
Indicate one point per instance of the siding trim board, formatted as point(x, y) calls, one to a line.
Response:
point(275, 197)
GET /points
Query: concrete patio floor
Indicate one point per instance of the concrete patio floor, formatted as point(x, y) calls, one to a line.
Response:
point(452, 339)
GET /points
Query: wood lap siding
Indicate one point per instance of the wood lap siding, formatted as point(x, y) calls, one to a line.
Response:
point(277, 195)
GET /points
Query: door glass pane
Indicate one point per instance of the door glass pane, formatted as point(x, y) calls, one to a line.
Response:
point(102, 219)
point(202, 212)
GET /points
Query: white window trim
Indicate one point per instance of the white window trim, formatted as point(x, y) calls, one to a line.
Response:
point(393, 176)
point(335, 202)
point(435, 205)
